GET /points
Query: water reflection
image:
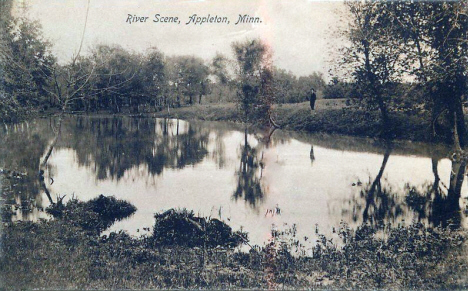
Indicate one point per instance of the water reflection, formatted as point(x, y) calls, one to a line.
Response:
point(21, 146)
point(380, 202)
point(240, 174)
point(249, 174)
point(311, 154)
point(112, 146)
point(431, 204)
point(438, 204)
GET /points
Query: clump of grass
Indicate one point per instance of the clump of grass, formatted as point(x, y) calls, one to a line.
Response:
point(96, 215)
point(183, 228)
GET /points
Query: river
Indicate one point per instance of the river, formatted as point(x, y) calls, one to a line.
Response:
point(243, 176)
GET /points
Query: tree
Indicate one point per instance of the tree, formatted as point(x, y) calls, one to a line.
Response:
point(74, 85)
point(339, 89)
point(435, 41)
point(222, 88)
point(26, 63)
point(254, 78)
point(153, 77)
point(219, 68)
point(190, 78)
point(116, 81)
point(373, 53)
point(285, 84)
point(305, 83)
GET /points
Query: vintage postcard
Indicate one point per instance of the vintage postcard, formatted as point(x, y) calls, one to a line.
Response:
point(213, 144)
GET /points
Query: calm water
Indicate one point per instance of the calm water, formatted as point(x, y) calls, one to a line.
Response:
point(240, 176)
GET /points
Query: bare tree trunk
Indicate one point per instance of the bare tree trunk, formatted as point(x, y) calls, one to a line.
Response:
point(456, 137)
point(461, 127)
point(435, 186)
point(54, 141)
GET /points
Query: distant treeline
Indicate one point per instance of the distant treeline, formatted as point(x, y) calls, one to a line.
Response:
point(109, 77)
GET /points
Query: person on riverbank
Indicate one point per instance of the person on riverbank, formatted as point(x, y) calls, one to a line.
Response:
point(312, 98)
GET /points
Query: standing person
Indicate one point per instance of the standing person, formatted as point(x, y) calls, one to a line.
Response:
point(313, 97)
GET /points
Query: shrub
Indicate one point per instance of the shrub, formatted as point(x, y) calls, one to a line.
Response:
point(95, 215)
point(183, 228)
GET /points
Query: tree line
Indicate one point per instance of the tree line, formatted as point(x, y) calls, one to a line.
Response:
point(112, 78)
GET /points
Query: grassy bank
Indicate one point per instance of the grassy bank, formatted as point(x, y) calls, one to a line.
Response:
point(63, 253)
point(330, 116)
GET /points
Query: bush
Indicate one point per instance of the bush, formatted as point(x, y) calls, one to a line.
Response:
point(95, 215)
point(183, 228)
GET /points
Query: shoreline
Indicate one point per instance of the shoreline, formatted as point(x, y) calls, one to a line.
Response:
point(330, 117)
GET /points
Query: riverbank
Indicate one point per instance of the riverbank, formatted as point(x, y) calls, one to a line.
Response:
point(330, 116)
point(64, 253)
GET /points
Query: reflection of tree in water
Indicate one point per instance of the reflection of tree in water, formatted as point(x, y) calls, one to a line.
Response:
point(110, 146)
point(376, 202)
point(446, 208)
point(440, 207)
point(249, 175)
point(380, 202)
point(430, 203)
point(219, 151)
point(21, 147)
point(113, 146)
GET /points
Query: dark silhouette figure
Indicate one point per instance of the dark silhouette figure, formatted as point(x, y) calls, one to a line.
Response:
point(313, 97)
point(312, 155)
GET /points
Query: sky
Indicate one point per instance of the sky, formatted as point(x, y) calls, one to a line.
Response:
point(299, 32)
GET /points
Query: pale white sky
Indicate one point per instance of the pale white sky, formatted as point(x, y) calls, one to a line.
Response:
point(299, 31)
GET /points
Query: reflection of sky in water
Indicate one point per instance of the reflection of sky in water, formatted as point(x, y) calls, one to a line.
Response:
point(308, 193)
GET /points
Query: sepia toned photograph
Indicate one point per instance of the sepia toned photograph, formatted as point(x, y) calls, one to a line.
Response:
point(233, 145)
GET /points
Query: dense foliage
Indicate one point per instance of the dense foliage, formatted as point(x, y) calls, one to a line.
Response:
point(183, 228)
point(420, 41)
